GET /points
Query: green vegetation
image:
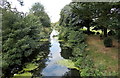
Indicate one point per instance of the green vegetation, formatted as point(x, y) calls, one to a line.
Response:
point(100, 20)
point(89, 36)
point(29, 67)
point(108, 42)
point(106, 57)
point(67, 63)
point(21, 36)
point(26, 75)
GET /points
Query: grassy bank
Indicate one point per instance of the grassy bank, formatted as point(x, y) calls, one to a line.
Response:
point(102, 56)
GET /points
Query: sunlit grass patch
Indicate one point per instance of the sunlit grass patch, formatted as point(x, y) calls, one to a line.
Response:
point(91, 29)
point(23, 75)
point(44, 39)
point(83, 29)
point(101, 55)
point(97, 31)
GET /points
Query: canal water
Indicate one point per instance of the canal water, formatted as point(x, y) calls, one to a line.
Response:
point(52, 67)
point(49, 66)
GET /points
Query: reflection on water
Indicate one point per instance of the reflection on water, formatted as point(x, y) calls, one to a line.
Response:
point(49, 68)
point(52, 68)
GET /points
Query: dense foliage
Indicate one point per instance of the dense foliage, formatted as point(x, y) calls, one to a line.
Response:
point(99, 16)
point(96, 16)
point(38, 10)
point(21, 36)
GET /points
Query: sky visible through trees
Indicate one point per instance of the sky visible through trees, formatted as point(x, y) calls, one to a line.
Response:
point(52, 7)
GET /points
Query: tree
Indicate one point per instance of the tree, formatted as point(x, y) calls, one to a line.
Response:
point(84, 12)
point(37, 7)
point(103, 15)
point(20, 38)
point(116, 19)
point(38, 10)
point(23, 34)
point(69, 18)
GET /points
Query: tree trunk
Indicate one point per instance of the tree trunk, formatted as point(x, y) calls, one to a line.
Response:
point(88, 29)
point(105, 32)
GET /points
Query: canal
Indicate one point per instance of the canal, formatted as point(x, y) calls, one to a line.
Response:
point(54, 65)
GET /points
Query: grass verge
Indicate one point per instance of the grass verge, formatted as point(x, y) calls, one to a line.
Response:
point(102, 56)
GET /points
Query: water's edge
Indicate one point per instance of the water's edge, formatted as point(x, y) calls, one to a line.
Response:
point(53, 64)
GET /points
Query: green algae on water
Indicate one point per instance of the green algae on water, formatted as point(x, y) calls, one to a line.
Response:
point(67, 63)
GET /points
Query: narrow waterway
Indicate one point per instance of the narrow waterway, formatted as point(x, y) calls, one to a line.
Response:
point(49, 66)
point(52, 67)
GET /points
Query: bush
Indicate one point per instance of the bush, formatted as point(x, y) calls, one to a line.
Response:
point(111, 33)
point(108, 42)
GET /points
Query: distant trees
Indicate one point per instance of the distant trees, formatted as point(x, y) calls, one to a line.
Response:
point(38, 10)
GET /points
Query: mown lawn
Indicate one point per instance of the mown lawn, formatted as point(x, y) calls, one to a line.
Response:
point(102, 56)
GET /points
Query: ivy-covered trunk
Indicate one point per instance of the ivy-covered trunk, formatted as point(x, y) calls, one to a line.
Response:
point(88, 29)
point(105, 32)
point(87, 24)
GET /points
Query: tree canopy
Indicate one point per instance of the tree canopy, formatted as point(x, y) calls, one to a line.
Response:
point(98, 15)
point(21, 35)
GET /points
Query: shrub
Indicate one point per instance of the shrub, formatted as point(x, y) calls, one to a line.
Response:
point(108, 42)
point(111, 33)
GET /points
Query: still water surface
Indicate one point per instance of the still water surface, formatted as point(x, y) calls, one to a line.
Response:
point(49, 66)
point(52, 68)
